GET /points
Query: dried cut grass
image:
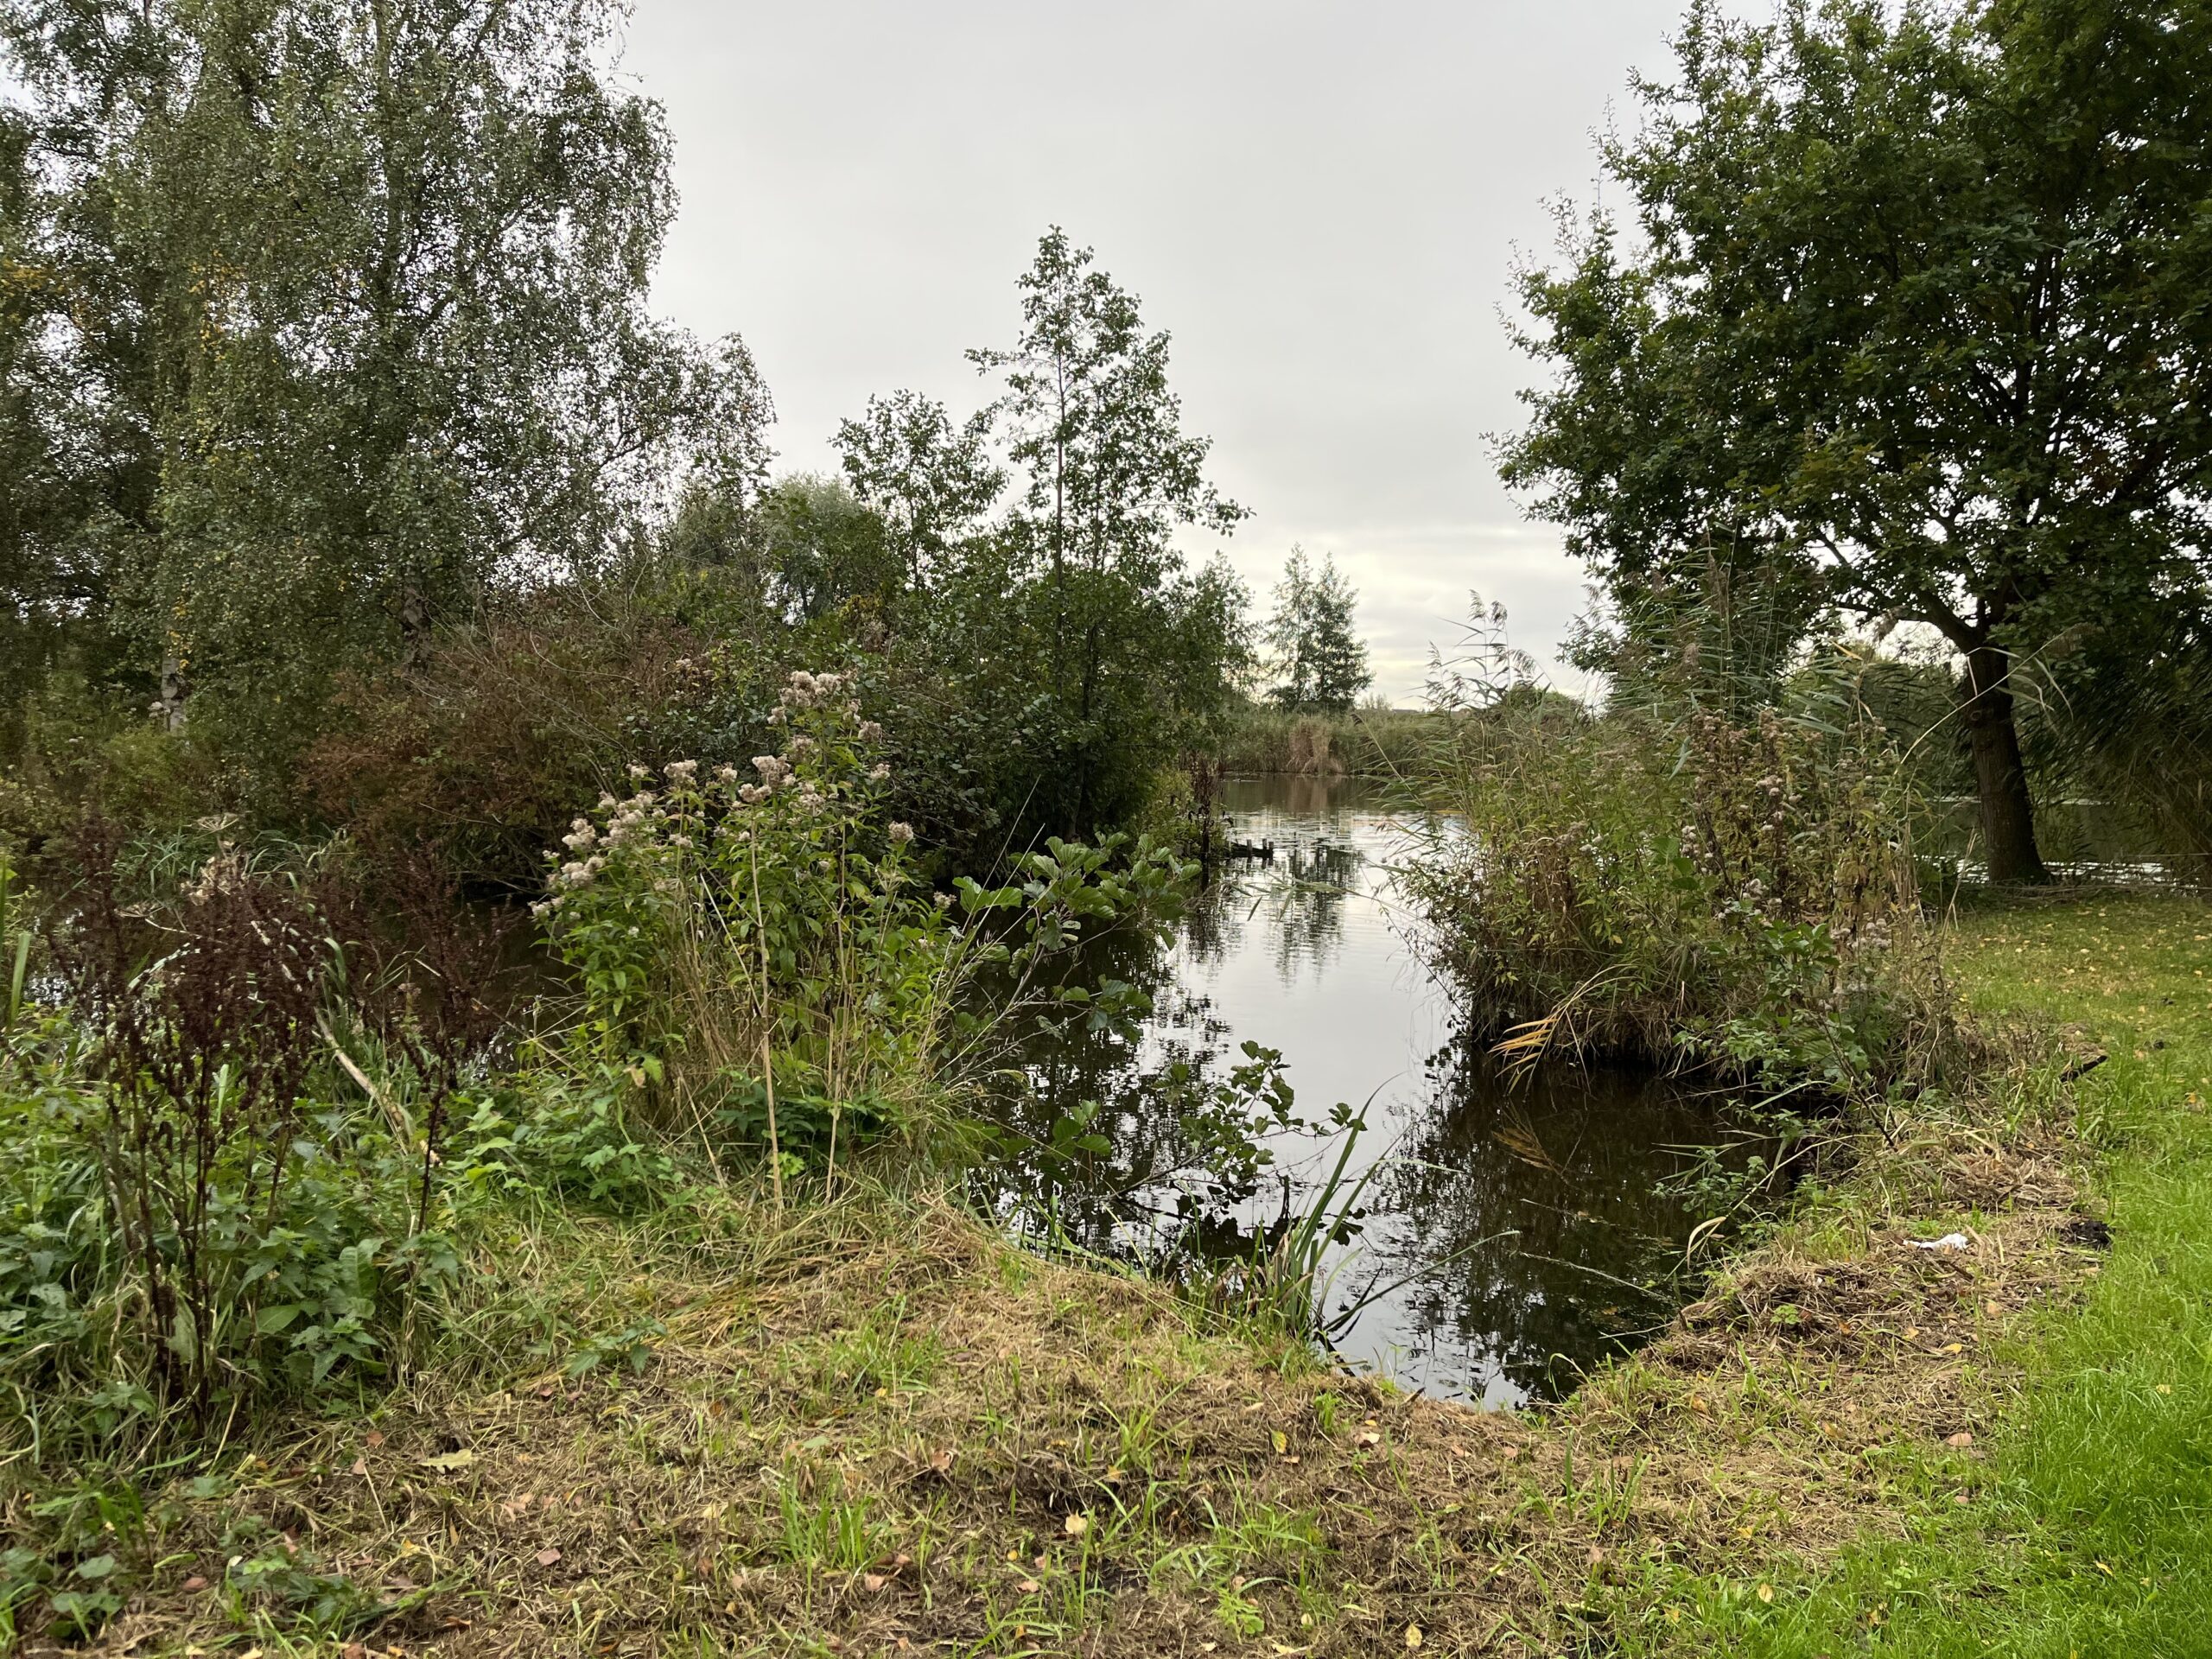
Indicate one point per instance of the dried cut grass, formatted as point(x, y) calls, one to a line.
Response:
point(887, 1430)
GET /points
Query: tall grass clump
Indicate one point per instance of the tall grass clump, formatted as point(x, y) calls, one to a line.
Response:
point(1366, 743)
point(1683, 884)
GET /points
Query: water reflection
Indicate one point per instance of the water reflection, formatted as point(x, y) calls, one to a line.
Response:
point(1517, 1234)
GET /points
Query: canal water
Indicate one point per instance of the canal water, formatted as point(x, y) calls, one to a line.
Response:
point(1516, 1233)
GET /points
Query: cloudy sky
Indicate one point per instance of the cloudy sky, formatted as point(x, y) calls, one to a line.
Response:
point(1323, 203)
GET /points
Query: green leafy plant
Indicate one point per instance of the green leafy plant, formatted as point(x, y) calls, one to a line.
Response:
point(759, 957)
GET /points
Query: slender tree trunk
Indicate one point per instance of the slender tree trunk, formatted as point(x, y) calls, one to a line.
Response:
point(2008, 826)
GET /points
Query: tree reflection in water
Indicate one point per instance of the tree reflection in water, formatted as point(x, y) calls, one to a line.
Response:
point(1529, 1224)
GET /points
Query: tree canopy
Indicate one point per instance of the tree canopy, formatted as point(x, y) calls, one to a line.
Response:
point(1316, 657)
point(1910, 312)
point(338, 308)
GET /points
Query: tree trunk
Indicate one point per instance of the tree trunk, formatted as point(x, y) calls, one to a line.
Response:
point(2008, 825)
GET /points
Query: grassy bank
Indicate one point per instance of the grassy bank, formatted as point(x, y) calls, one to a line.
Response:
point(2086, 1521)
point(871, 1424)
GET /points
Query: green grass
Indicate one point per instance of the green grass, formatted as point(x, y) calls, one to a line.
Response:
point(2091, 1531)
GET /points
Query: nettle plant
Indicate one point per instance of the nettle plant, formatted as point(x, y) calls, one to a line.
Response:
point(761, 959)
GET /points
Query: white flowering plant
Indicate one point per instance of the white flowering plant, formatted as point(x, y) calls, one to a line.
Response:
point(760, 954)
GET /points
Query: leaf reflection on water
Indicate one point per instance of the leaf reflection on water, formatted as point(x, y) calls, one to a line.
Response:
point(1516, 1233)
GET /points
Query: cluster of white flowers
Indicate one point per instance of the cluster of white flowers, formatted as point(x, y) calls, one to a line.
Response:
point(644, 821)
point(807, 690)
point(631, 819)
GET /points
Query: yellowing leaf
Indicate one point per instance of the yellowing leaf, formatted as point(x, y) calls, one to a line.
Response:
point(1413, 1636)
point(450, 1460)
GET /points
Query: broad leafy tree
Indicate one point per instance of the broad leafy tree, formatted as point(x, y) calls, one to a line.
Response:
point(1315, 656)
point(930, 481)
point(353, 292)
point(1910, 311)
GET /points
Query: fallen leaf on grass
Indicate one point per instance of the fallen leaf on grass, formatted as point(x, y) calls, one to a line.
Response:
point(372, 1437)
point(873, 1580)
point(1076, 1526)
point(1028, 1586)
point(548, 1556)
point(1964, 1437)
point(1413, 1636)
point(195, 1582)
point(941, 1461)
point(450, 1460)
point(360, 1465)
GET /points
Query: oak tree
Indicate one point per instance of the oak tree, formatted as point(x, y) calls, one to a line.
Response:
point(1912, 304)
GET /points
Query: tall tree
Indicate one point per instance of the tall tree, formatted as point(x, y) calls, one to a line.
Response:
point(1110, 477)
point(358, 288)
point(930, 481)
point(825, 547)
point(1064, 648)
point(1317, 658)
point(1915, 305)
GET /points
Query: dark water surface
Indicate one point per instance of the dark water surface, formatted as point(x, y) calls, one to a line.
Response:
point(1532, 1222)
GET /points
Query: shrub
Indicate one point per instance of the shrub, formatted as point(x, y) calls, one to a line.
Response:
point(187, 1219)
point(756, 952)
point(483, 745)
point(1703, 892)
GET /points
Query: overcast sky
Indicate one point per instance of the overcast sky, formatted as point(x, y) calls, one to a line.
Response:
point(1322, 203)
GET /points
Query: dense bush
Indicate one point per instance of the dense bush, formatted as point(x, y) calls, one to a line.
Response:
point(1700, 890)
point(755, 948)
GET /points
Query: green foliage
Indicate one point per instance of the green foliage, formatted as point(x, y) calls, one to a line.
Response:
point(1898, 331)
point(339, 320)
point(825, 549)
point(281, 1293)
point(756, 951)
point(1690, 888)
point(1314, 657)
point(1049, 655)
point(732, 919)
